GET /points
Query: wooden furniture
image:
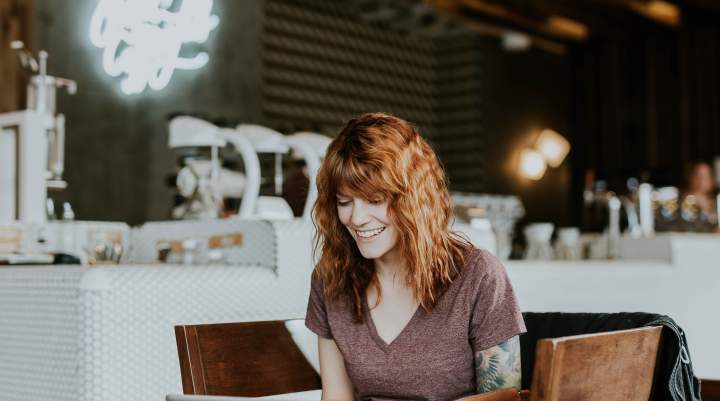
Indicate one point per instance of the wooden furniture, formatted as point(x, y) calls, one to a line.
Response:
point(15, 24)
point(260, 358)
point(710, 390)
point(248, 359)
point(506, 394)
point(618, 365)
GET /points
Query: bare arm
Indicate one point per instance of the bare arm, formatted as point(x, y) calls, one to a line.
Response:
point(498, 367)
point(336, 384)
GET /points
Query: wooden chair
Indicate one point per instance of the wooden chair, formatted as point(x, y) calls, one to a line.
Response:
point(710, 389)
point(618, 365)
point(260, 358)
point(249, 359)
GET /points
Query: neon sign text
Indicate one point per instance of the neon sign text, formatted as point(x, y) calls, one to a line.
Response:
point(142, 39)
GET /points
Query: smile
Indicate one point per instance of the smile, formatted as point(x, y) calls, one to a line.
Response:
point(369, 233)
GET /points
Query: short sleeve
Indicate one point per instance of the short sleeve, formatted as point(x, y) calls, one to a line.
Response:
point(496, 314)
point(316, 317)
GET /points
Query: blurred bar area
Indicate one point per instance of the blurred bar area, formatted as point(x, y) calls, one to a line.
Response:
point(158, 163)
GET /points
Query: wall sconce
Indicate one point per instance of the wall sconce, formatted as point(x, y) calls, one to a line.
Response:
point(553, 147)
point(550, 149)
point(532, 164)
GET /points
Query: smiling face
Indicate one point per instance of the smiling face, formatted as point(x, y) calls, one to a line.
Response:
point(382, 158)
point(369, 225)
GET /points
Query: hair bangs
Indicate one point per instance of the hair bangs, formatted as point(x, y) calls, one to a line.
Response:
point(354, 178)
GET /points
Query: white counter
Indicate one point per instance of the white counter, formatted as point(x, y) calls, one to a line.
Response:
point(687, 288)
point(97, 334)
point(106, 333)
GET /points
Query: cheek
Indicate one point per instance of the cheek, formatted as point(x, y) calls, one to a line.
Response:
point(382, 213)
point(393, 236)
point(343, 215)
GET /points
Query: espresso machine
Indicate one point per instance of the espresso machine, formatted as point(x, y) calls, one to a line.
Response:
point(199, 180)
point(32, 144)
point(203, 183)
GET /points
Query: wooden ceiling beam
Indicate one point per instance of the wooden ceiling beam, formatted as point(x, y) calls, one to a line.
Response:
point(454, 9)
point(604, 17)
point(700, 5)
point(660, 11)
point(568, 21)
point(550, 26)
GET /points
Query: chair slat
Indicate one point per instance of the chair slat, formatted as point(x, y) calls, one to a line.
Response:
point(249, 359)
point(617, 365)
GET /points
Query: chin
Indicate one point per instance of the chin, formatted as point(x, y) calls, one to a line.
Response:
point(370, 253)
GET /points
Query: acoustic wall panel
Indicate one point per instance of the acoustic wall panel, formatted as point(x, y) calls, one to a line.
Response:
point(326, 61)
point(458, 109)
point(323, 65)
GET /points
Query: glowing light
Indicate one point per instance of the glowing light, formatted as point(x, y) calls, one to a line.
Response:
point(574, 29)
point(532, 164)
point(142, 39)
point(553, 147)
point(658, 10)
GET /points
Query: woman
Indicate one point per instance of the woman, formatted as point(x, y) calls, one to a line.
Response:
point(403, 308)
point(699, 206)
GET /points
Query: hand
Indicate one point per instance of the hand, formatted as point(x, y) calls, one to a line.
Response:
point(506, 394)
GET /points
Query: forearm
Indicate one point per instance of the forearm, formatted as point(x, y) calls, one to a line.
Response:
point(336, 385)
point(498, 367)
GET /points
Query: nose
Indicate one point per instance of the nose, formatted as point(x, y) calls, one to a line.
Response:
point(360, 214)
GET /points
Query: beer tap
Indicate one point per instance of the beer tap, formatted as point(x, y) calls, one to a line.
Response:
point(41, 97)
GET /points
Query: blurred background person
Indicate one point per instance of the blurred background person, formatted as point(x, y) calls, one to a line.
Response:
point(699, 205)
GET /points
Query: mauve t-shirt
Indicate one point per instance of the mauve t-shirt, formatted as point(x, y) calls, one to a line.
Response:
point(433, 356)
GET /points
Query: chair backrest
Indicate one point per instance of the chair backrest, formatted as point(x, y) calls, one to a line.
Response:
point(249, 359)
point(617, 365)
point(710, 390)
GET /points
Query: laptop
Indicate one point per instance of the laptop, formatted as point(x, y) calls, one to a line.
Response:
point(313, 395)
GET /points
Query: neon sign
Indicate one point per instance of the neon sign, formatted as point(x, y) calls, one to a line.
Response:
point(142, 39)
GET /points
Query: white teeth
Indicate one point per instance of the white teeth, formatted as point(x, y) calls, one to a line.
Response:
point(370, 233)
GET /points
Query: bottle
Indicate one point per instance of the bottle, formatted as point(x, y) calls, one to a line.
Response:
point(647, 214)
point(67, 231)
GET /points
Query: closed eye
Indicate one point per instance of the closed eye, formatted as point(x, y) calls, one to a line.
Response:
point(343, 203)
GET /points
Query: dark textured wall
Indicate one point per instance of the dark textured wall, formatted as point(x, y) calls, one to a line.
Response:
point(460, 111)
point(323, 65)
point(116, 151)
point(15, 23)
point(474, 102)
point(523, 93)
point(117, 154)
point(647, 101)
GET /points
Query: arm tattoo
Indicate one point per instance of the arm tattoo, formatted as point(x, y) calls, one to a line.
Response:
point(498, 367)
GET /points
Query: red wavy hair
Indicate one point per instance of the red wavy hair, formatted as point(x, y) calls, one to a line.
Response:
point(379, 155)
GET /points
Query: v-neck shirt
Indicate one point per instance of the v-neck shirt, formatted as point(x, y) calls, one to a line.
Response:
point(432, 358)
point(370, 323)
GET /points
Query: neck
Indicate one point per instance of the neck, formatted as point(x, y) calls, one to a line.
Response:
point(390, 269)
